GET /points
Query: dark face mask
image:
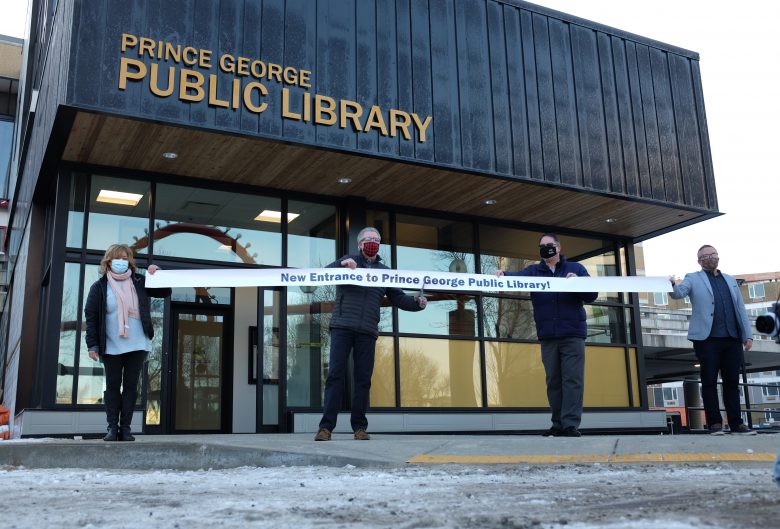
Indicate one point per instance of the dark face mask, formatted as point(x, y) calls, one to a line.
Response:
point(370, 248)
point(548, 250)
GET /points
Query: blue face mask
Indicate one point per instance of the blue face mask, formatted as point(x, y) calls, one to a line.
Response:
point(119, 266)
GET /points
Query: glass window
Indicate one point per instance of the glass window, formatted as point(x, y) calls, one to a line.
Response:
point(603, 265)
point(381, 221)
point(440, 373)
point(660, 298)
point(69, 324)
point(434, 244)
point(515, 375)
point(509, 318)
point(446, 314)
point(218, 226)
point(756, 290)
point(383, 380)
point(118, 213)
point(205, 295)
point(308, 344)
point(6, 139)
point(606, 382)
point(311, 239)
point(90, 380)
point(76, 208)
point(154, 364)
point(604, 324)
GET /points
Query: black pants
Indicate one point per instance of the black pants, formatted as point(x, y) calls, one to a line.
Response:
point(722, 355)
point(362, 345)
point(122, 371)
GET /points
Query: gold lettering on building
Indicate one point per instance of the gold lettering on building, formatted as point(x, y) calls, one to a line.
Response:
point(169, 69)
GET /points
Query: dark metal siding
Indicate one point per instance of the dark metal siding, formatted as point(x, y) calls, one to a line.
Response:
point(514, 90)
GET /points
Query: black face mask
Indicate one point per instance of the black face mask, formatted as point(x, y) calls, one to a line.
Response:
point(547, 251)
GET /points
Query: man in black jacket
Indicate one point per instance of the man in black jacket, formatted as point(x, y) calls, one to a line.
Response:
point(354, 327)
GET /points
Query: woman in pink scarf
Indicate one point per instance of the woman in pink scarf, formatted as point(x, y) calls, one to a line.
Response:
point(119, 333)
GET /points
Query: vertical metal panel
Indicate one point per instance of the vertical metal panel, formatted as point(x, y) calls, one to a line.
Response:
point(640, 137)
point(625, 117)
point(500, 89)
point(709, 178)
point(405, 76)
point(272, 49)
point(422, 96)
point(546, 98)
point(590, 109)
point(617, 176)
point(517, 93)
point(387, 67)
point(474, 81)
point(205, 35)
point(252, 18)
point(565, 103)
point(87, 50)
point(651, 122)
point(300, 51)
point(444, 71)
point(365, 19)
point(230, 41)
point(667, 132)
point(692, 171)
point(535, 151)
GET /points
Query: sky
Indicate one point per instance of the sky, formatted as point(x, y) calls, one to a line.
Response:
point(739, 51)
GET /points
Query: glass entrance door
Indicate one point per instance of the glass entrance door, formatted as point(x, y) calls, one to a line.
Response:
point(268, 357)
point(201, 371)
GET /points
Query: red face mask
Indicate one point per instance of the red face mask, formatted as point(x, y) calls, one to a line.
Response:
point(370, 248)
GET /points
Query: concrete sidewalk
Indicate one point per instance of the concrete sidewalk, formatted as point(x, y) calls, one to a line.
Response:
point(193, 452)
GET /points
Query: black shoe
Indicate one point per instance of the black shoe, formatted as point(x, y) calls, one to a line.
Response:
point(112, 434)
point(125, 435)
point(552, 432)
point(570, 431)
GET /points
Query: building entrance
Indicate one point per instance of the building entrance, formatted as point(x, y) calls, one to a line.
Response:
point(200, 370)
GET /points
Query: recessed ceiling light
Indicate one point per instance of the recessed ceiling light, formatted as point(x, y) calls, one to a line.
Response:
point(344, 180)
point(696, 365)
point(268, 215)
point(118, 197)
point(610, 220)
point(491, 201)
point(170, 155)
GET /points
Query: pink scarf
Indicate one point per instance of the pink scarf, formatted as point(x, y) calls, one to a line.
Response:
point(126, 298)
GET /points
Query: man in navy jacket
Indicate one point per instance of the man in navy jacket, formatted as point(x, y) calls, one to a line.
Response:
point(561, 327)
point(354, 328)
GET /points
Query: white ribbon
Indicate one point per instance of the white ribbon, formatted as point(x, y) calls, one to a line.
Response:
point(406, 279)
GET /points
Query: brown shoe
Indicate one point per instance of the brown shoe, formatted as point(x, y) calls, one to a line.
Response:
point(322, 435)
point(361, 435)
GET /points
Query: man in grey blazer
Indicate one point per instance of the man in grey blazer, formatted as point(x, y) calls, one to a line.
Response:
point(719, 330)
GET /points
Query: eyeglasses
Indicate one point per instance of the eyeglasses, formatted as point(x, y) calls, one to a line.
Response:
point(708, 256)
point(371, 239)
point(549, 245)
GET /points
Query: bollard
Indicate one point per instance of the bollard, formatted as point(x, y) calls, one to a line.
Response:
point(692, 397)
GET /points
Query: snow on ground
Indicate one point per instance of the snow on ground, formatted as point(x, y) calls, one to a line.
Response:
point(531, 497)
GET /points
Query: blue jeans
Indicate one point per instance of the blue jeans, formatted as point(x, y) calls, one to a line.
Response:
point(722, 355)
point(362, 346)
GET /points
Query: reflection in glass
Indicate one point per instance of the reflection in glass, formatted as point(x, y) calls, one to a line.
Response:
point(118, 220)
point(440, 373)
point(604, 265)
point(205, 295)
point(441, 245)
point(515, 375)
point(446, 314)
point(271, 343)
point(154, 365)
point(311, 239)
point(509, 318)
point(383, 379)
point(605, 324)
point(381, 221)
point(217, 226)
point(308, 344)
point(69, 320)
point(76, 207)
